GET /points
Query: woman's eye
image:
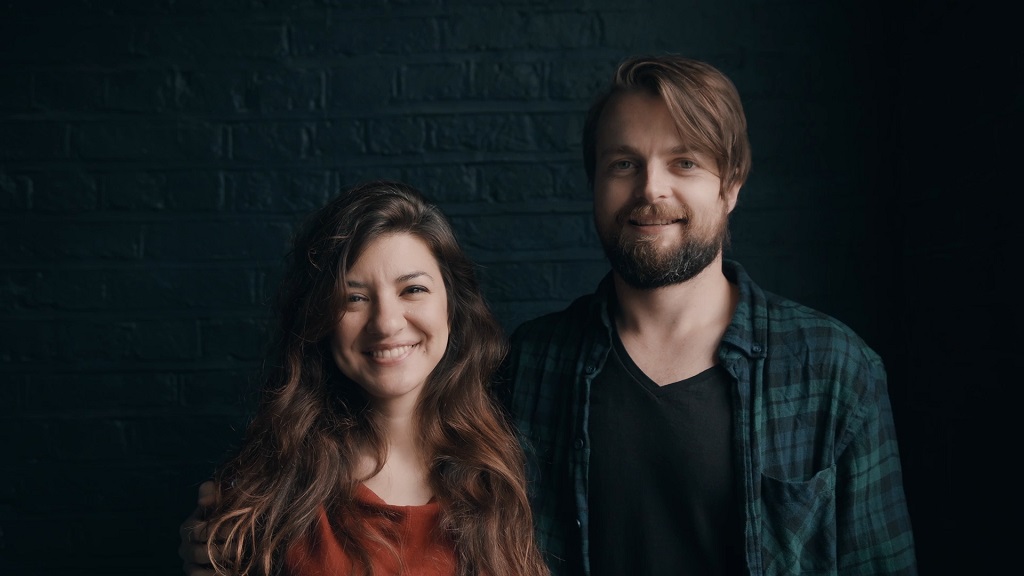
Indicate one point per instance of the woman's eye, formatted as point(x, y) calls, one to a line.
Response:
point(416, 289)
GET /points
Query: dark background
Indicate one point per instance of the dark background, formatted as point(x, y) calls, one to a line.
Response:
point(156, 154)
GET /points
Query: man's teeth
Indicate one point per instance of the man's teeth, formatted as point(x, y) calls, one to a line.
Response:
point(391, 352)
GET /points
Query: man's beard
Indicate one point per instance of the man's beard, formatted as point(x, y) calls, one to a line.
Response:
point(643, 266)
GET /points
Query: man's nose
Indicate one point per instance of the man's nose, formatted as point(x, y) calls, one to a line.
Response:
point(654, 183)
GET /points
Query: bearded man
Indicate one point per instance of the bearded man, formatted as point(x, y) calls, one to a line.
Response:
point(681, 420)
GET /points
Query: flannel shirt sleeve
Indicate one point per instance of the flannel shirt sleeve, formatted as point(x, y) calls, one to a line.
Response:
point(873, 522)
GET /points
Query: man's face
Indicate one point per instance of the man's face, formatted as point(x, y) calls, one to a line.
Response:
point(658, 206)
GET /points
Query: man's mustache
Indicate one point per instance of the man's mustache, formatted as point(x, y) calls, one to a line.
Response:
point(647, 212)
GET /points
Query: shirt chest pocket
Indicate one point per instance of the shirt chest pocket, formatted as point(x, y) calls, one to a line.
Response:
point(799, 524)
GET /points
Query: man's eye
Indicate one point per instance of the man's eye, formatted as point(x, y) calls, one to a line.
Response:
point(687, 164)
point(622, 165)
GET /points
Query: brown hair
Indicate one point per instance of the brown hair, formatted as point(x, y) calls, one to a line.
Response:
point(301, 446)
point(702, 100)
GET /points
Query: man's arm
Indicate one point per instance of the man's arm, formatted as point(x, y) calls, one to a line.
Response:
point(873, 522)
point(193, 533)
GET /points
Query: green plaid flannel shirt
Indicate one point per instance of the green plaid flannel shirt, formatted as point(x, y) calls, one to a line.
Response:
point(814, 435)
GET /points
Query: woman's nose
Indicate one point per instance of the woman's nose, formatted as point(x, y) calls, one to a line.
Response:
point(388, 317)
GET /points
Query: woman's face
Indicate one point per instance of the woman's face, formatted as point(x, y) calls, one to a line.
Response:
point(394, 324)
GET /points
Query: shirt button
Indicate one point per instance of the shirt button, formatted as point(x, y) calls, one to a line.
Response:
point(578, 523)
point(578, 444)
point(590, 369)
point(756, 348)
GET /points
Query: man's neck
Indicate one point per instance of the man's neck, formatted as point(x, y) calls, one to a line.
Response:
point(673, 332)
point(705, 299)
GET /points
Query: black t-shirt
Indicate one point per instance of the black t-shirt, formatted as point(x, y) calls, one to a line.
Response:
point(663, 488)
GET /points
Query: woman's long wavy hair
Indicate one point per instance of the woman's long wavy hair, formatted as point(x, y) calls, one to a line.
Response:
point(301, 448)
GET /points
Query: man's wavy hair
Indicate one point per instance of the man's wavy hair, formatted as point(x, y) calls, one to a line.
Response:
point(301, 447)
point(702, 100)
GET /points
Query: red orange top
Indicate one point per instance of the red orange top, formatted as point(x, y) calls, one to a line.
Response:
point(423, 550)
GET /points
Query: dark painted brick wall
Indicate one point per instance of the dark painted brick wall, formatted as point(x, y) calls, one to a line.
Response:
point(155, 155)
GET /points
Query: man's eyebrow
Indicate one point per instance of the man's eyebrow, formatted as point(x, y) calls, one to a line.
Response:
point(627, 149)
point(620, 149)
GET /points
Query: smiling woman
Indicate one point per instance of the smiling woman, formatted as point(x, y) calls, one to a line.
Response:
point(377, 448)
point(394, 328)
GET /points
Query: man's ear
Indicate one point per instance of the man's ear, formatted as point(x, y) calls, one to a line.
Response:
point(731, 195)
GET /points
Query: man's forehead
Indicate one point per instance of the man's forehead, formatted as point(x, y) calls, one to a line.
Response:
point(620, 134)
